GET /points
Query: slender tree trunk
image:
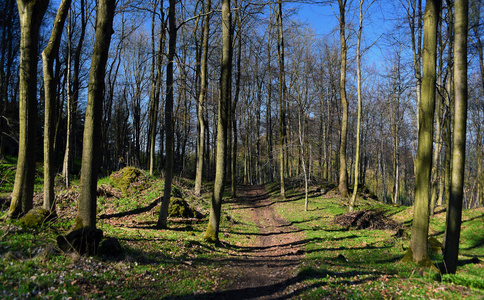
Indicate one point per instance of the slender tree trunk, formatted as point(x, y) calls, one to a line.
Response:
point(202, 123)
point(31, 13)
point(418, 244)
point(454, 213)
point(234, 105)
point(156, 87)
point(169, 141)
point(73, 93)
point(343, 173)
point(211, 234)
point(91, 156)
point(48, 56)
point(282, 100)
point(360, 100)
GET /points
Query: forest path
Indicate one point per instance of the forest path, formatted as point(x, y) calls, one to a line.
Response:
point(266, 268)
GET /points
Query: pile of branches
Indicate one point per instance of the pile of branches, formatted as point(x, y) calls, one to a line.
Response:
point(366, 219)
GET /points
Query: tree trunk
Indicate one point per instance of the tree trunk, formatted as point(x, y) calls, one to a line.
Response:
point(202, 122)
point(358, 126)
point(73, 94)
point(86, 214)
point(30, 14)
point(282, 100)
point(212, 231)
point(454, 213)
point(343, 173)
point(169, 141)
point(48, 56)
point(156, 87)
point(418, 244)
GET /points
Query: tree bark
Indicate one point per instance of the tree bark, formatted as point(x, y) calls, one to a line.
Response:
point(155, 86)
point(454, 212)
point(343, 173)
point(282, 101)
point(202, 122)
point(169, 141)
point(418, 243)
point(212, 231)
point(86, 214)
point(48, 56)
point(358, 126)
point(31, 13)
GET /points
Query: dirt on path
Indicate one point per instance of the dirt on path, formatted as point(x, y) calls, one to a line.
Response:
point(267, 268)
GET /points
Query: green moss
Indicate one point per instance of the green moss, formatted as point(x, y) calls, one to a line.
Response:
point(35, 217)
point(179, 208)
point(129, 180)
point(434, 245)
point(210, 235)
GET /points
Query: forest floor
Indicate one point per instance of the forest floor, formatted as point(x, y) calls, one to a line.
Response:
point(270, 248)
point(266, 268)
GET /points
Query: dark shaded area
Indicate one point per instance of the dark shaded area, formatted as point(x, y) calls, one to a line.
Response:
point(84, 241)
point(133, 211)
point(276, 290)
point(366, 219)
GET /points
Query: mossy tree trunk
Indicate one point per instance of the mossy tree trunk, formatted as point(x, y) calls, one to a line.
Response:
point(86, 214)
point(454, 212)
point(343, 172)
point(169, 140)
point(202, 122)
point(30, 13)
point(212, 231)
point(418, 243)
point(48, 56)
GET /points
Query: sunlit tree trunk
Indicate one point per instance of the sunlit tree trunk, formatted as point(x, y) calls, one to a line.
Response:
point(30, 13)
point(169, 141)
point(454, 213)
point(48, 56)
point(211, 234)
point(282, 100)
point(360, 100)
point(343, 172)
point(91, 156)
point(418, 244)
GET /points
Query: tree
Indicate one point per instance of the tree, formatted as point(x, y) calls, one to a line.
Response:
point(169, 141)
point(157, 60)
point(48, 56)
point(73, 93)
point(454, 213)
point(86, 214)
point(358, 126)
point(211, 234)
point(202, 122)
point(418, 244)
point(343, 173)
point(282, 100)
point(31, 13)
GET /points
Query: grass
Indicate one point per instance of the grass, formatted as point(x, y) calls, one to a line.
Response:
point(338, 263)
point(365, 264)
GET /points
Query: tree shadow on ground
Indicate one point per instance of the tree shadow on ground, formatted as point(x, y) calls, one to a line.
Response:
point(277, 290)
point(133, 211)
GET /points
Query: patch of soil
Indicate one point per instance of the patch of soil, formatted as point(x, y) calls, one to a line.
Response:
point(266, 268)
point(366, 219)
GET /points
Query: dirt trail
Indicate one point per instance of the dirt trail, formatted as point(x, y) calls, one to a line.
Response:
point(266, 268)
